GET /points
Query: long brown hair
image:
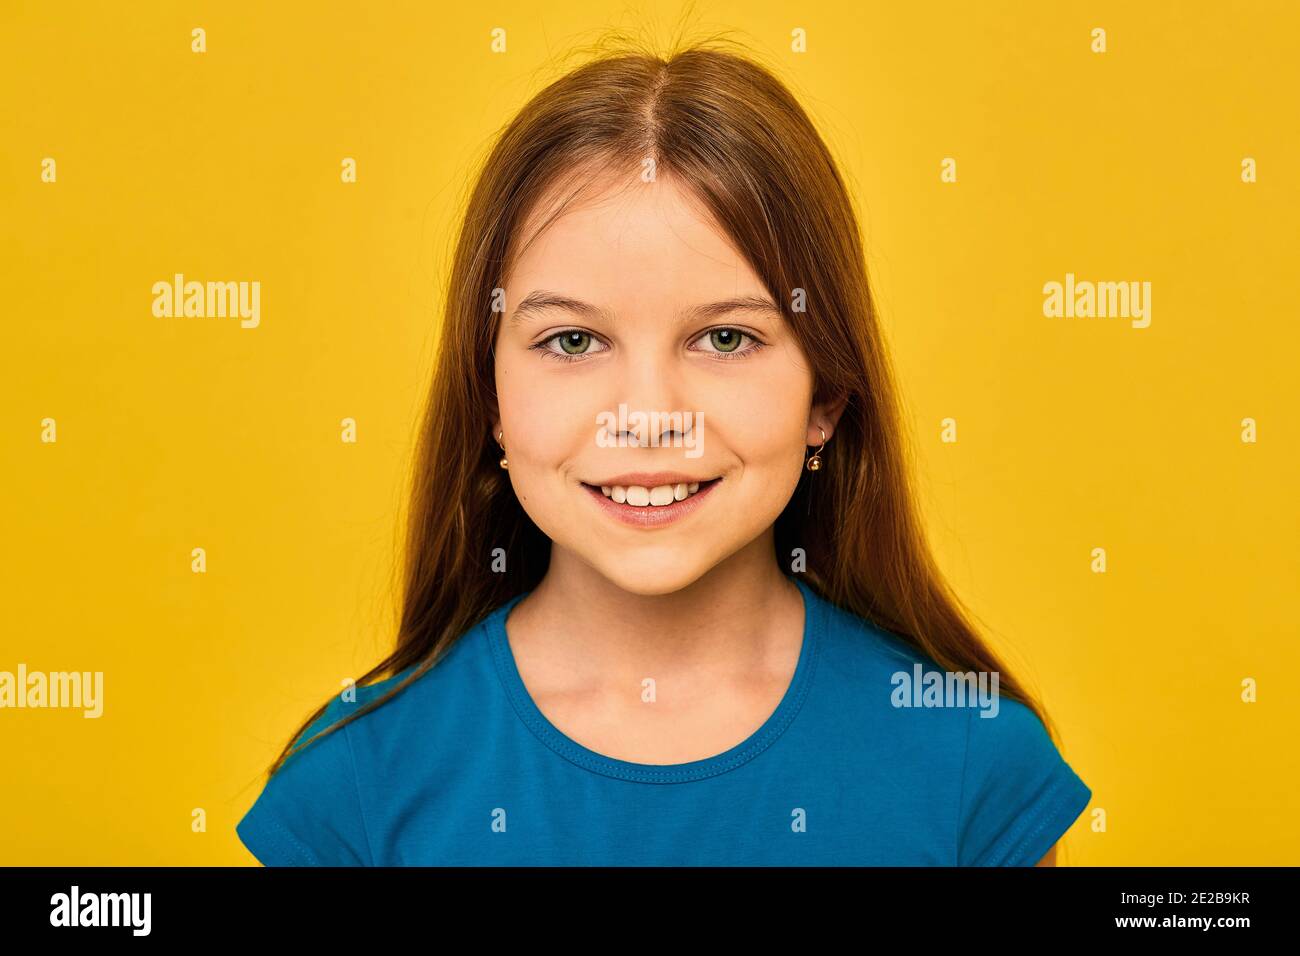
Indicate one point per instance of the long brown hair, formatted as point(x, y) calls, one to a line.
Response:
point(723, 124)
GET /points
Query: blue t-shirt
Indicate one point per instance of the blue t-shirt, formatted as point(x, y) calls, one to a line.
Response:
point(463, 769)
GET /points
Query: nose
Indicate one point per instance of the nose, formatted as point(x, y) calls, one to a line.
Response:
point(655, 426)
point(650, 403)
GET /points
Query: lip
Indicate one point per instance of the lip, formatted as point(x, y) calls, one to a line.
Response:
point(652, 516)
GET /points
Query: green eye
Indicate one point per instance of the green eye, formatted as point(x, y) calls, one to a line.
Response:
point(574, 343)
point(574, 346)
point(725, 340)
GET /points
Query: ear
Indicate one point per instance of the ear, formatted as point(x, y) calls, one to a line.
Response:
point(824, 415)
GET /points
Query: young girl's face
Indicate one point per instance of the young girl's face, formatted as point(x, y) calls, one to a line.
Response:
point(615, 304)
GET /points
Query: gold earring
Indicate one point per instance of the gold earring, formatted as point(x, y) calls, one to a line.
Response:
point(503, 462)
point(815, 462)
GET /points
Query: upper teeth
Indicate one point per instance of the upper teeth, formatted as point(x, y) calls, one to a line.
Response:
point(640, 495)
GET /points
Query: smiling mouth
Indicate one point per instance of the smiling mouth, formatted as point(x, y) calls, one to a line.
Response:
point(660, 496)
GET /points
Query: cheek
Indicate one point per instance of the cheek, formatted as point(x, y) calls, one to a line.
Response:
point(761, 420)
point(545, 421)
point(759, 438)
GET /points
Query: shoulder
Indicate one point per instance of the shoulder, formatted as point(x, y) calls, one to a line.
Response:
point(863, 643)
point(873, 682)
point(451, 692)
point(310, 811)
point(886, 668)
point(1012, 792)
point(1019, 796)
point(415, 695)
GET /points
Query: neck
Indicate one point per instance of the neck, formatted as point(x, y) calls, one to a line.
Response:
point(581, 630)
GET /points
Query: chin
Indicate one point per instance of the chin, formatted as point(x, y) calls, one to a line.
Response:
point(650, 576)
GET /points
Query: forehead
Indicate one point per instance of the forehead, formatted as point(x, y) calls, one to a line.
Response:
point(621, 237)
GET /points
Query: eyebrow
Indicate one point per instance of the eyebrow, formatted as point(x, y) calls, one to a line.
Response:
point(541, 300)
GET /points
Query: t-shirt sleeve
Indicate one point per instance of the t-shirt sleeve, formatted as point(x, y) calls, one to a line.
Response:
point(1019, 796)
point(309, 812)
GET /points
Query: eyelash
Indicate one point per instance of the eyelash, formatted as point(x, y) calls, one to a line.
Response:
point(723, 356)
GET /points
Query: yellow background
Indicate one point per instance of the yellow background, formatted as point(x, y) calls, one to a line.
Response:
point(1072, 433)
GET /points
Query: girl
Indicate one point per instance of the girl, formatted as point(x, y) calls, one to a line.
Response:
point(667, 597)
